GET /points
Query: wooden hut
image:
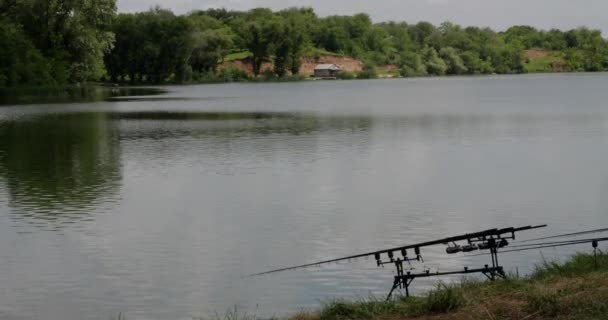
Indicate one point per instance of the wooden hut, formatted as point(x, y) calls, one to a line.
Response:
point(327, 71)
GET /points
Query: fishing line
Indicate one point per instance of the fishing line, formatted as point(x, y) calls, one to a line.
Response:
point(568, 235)
point(547, 245)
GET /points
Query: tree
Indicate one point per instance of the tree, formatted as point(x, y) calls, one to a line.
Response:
point(474, 64)
point(20, 62)
point(454, 62)
point(301, 23)
point(256, 35)
point(508, 58)
point(151, 46)
point(421, 31)
point(211, 41)
point(74, 32)
point(434, 64)
point(412, 65)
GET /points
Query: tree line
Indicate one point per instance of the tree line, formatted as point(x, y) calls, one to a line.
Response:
point(50, 42)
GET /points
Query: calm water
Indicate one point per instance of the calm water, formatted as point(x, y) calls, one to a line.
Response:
point(157, 206)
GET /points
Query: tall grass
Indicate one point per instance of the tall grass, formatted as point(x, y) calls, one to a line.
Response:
point(575, 289)
point(576, 265)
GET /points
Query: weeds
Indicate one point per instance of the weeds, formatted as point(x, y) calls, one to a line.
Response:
point(577, 265)
point(230, 314)
point(444, 299)
point(371, 308)
point(575, 289)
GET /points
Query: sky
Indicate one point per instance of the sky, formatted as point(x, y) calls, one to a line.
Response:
point(498, 14)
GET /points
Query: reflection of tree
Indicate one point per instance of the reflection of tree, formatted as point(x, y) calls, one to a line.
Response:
point(235, 124)
point(69, 94)
point(59, 164)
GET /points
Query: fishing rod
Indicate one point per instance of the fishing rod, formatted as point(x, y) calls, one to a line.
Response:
point(569, 234)
point(491, 240)
point(536, 246)
point(551, 243)
point(487, 240)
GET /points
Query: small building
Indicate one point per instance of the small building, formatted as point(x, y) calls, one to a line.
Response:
point(327, 71)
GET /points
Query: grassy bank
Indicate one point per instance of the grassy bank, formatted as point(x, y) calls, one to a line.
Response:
point(573, 290)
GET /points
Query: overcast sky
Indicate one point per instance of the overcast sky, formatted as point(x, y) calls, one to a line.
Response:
point(498, 14)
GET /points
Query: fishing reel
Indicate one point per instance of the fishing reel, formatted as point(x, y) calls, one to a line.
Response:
point(470, 247)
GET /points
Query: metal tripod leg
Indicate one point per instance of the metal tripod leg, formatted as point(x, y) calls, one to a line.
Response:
point(395, 286)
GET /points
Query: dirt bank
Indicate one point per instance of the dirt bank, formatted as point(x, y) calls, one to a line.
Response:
point(308, 64)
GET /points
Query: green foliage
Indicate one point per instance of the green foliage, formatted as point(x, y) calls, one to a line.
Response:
point(412, 65)
point(268, 75)
point(507, 59)
point(20, 62)
point(553, 61)
point(240, 55)
point(345, 75)
point(210, 40)
point(232, 74)
point(578, 264)
point(434, 64)
point(572, 290)
point(343, 310)
point(443, 299)
point(454, 62)
point(474, 64)
point(368, 72)
point(546, 301)
point(59, 41)
point(152, 46)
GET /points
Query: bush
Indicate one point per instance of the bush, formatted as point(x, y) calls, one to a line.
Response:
point(292, 77)
point(268, 75)
point(233, 74)
point(346, 75)
point(412, 65)
point(368, 72)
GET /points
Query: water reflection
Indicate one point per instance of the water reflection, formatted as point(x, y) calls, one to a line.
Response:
point(59, 167)
point(201, 125)
point(70, 94)
point(184, 198)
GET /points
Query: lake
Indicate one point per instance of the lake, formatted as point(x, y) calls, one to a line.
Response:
point(158, 206)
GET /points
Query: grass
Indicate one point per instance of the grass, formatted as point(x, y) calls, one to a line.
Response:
point(571, 290)
point(308, 52)
point(551, 62)
point(312, 52)
point(238, 56)
point(389, 73)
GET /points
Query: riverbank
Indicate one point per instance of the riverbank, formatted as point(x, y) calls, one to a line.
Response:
point(573, 290)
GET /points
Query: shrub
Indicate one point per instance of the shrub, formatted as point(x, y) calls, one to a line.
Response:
point(268, 75)
point(232, 74)
point(292, 77)
point(368, 72)
point(346, 75)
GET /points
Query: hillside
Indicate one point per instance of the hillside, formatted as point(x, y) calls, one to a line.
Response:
point(306, 69)
point(540, 60)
